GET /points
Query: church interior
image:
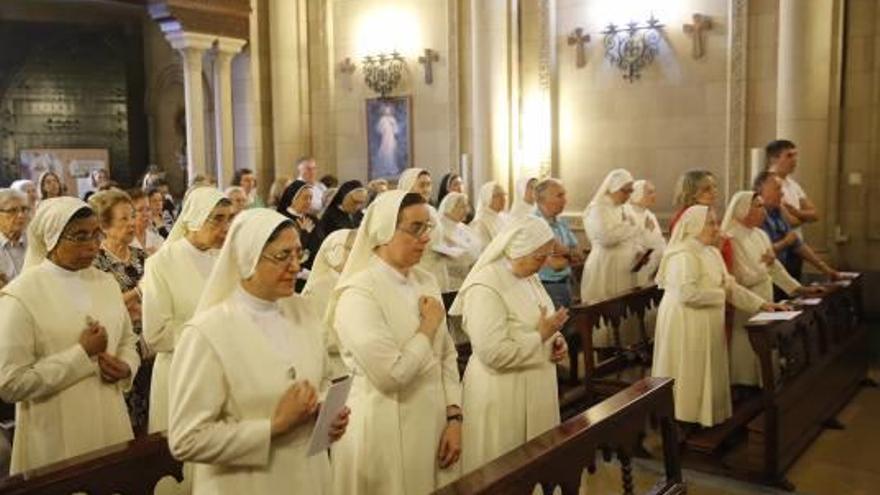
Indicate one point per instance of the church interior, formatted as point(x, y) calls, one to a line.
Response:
point(189, 94)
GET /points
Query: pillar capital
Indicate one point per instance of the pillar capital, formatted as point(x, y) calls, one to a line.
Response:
point(183, 40)
point(230, 46)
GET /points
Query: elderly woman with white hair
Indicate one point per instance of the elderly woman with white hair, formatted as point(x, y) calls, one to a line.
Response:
point(616, 248)
point(29, 189)
point(756, 268)
point(67, 350)
point(14, 216)
point(490, 217)
point(643, 198)
point(510, 391)
point(249, 370)
point(689, 343)
point(405, 430)
point(173, 282)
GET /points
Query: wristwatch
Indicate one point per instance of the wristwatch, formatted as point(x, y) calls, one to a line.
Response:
point(454, 417)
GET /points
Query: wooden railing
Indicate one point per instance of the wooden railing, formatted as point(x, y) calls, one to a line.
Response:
point(559, 457)
point(601, 364)
point(131, 468)
point(811, 366)
point(556, 458)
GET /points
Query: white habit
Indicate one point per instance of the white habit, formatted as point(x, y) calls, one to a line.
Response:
point(510, 392)
point(689, 344)
point(173, 281)
point(403, 382)
point(615, 240)
point(229, 371)
point(487, 223)
point(63, 408)
point(750, 271)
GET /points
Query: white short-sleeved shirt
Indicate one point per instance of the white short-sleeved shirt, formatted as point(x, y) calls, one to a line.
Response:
point(792, 193)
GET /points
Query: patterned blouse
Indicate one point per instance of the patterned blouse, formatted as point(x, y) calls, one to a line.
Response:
point(127, 275)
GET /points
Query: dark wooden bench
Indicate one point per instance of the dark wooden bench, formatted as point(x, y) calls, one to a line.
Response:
point(610, 369)
point(131, 468)
point(823, 359)
point(558, 457)
point(811, 367)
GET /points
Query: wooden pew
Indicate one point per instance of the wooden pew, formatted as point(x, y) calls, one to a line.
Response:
point(599, 375)
point(559, 456)
point(131, 468)
point(822, 361)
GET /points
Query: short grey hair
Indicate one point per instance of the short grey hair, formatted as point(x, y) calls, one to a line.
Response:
point(9, 195)
point(231, 189)
point(545, 185)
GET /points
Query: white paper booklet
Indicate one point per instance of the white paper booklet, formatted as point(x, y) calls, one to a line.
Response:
point(337, 395)
point(775, 316)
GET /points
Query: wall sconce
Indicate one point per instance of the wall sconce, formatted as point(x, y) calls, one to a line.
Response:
point(428, 60)
point(632, 48)
point(383, 72)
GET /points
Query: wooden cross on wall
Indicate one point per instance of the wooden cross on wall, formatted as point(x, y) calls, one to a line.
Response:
point(428, 60)
point(579, 40)
point(701, 24)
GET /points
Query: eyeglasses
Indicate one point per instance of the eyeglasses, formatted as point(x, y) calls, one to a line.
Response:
point(17, 210)
point(219, 220)
point(84, 237)
point(286, 256)
point(417, 229)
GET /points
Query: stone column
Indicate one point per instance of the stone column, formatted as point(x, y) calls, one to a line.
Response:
point(288, 51)
point(225, 144)
point(192, 47)
point(494, 89)
point(804, 95)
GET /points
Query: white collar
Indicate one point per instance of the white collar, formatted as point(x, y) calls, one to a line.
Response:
point(253, 302)
point(393, 272)
point(50, 266)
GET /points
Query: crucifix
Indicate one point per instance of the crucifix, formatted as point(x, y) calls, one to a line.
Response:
point(428, 60)
point(701, 24)
point(579, 39)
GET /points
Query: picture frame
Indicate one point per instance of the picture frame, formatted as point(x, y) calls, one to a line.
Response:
point(389, 136)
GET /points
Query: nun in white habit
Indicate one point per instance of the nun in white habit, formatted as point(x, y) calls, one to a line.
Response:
point(490, 218)
point(615, 247)
point(173, 281)
point(405, 431)
point(643, 198)
point(247, 373)
point(458, 247)
point(319, 287)
point(755, 267)
point(524, 198)
point(689, 344)
point(67, 350)
point(418, 180)
point(510, 391)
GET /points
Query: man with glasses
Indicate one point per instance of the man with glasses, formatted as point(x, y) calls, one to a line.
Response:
point(556, 273)
point(14, 214)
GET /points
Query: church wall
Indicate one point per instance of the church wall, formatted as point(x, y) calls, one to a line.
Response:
point(360, 27)
point(859, 203)
point(671, 119)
